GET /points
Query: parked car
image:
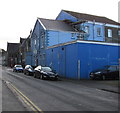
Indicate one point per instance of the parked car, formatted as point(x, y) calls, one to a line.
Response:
point(37, 71)
point(18, 68)
point(28, 70)
point(45, 73)
point(108, 72)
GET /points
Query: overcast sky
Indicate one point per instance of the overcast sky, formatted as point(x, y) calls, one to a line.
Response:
point(17, 17)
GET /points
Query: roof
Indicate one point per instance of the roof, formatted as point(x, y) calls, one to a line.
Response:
point(12, 47)
point(89, 17)
point(57, 25)
point(22, 40)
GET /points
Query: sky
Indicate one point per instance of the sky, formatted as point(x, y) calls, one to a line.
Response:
point(18, 17)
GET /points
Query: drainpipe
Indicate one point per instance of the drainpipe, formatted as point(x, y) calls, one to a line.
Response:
point(93, 28)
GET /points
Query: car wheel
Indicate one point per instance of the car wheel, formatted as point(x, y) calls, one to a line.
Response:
point(103, 77)
point(56, 79)
point(34, 75)
point(27, 73)
point(41, 77)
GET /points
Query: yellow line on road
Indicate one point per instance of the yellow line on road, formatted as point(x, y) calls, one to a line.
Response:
point(27, 100)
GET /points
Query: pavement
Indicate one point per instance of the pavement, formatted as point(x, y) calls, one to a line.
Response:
point(106, 85)
point(10, 101)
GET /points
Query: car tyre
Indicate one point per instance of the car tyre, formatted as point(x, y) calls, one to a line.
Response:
point(103, 77)
point(34, 75)
point(41, 77)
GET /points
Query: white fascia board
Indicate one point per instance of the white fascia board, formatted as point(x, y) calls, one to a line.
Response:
point(98, 23)
point(110, 25)
point(42, 24)
point(102, 43)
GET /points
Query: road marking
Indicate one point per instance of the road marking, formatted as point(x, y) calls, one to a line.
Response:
point(25, 99)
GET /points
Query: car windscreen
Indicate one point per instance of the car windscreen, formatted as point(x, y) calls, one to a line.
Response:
point(46, 69)
point(112, 68)
point(18, 66)
point(29, 67)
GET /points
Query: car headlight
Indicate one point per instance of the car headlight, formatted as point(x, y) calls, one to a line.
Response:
point(97, 72)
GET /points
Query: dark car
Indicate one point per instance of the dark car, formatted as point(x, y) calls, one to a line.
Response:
point(28, 70)
point(108, 72)
point(45, 73)
point(18, 68)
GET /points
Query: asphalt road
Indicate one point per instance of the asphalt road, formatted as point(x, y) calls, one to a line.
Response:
point(62, 95)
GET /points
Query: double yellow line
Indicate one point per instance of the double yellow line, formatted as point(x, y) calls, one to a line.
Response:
point(26, 100)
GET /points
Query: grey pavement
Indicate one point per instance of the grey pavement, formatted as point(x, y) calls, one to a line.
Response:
point(10, 101)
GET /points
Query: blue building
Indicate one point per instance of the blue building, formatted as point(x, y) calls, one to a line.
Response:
point(97, 28)
point(48, 33)
point(78, 58)
point(74, 44)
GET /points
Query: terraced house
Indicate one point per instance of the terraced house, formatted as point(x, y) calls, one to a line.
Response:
point(74, 44)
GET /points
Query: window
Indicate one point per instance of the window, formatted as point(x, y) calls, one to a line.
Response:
point(42, 42)
point(109, 33)
point(119, 32)
point(72, 35)
point(62, 48)
point(35, 42)
point(98, 31)
point(87, 29)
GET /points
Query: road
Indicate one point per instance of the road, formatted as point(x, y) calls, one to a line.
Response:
point(61, 95)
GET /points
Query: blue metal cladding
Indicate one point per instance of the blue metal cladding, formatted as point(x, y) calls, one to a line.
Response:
point(95, 56)
point(79, 59)
point(63, 59)
point(71, 61)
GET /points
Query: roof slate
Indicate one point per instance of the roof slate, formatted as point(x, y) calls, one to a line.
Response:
point(56, 25)
point(89, 17)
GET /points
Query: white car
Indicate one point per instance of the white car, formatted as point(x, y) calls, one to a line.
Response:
point(18, 68)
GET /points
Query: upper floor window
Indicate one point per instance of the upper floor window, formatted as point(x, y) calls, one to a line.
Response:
point(119, 32)
point(98, 31)
point(72, 36)
point(35, 42)
point(109, 33)
point(87, 29)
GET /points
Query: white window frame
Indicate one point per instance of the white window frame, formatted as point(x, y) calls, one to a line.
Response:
point(87, 29)
point(118, 32)
point(109, 33)
point(99, 31)
point(35, 42)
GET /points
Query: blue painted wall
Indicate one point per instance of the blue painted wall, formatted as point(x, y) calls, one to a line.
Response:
point(58, 37)
point(38, 52)
point(63, 16)
point(64, 59)
point(28, 58)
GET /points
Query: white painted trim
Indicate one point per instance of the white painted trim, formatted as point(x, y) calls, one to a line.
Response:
point(98, 23)
point(80, 41)
point(42, 24)
point(110, 25)
point(102, 43)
